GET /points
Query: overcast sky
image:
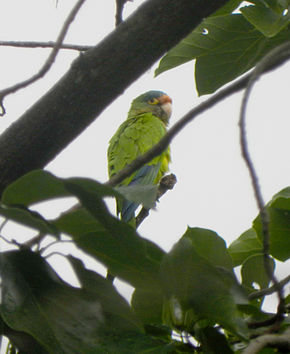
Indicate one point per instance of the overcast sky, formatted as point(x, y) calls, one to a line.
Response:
point(213, 189)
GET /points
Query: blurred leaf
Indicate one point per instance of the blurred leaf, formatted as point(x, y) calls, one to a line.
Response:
point(113, 242)
point(148, 305)
point(114, 306)
point(145, 195)
point(76, 222)
point(28, 218)
point(213, 341)
point(58, 316)
point(195, 280)
point(224, 47)
point(34, 187)
point(39, 185)
point(279, 225)
point(243, 247)
point(94, 319)
point(265, 19)
point(210, 245)
point(253, 271)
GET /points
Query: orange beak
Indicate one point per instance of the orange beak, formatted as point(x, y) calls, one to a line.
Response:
point(164, 99)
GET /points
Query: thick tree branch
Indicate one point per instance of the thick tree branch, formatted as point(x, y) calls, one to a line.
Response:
point(95, 79)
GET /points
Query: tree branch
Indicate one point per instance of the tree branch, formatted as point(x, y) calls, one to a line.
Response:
point(119, 11)
point(95, 80)
point(31, 44)
point(49, 61)
point(269, 291)
point(281, 342)
point(282, 50)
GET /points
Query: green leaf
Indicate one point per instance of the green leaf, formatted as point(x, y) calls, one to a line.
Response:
point(213, 341)
point(210, 245)
point(267, 21)
point(39, 185)
point(76, 222)
point(34, 187)
point(281, 200)
point(114, 306)
point(63, 319)
point(246, 245)
point(279, 225)
point(253, 271)
point(224, 47)
point(113, 242)
point(147, 305)
point(145, 195)
point(194, 280)
point(28, 218)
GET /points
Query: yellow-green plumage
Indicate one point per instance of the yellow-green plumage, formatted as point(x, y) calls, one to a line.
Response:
point(144, 127)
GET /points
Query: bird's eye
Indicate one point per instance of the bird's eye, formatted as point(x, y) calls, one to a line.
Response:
point(153, 101)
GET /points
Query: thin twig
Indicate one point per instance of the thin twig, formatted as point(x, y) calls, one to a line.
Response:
point(49, 61)
point(264, 292)
point(269, 59)
point(31, 44)
point(43, 249)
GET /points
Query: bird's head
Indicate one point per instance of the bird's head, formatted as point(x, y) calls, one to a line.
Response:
point(155, 102)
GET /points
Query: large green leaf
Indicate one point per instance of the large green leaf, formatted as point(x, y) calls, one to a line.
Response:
point(253, 271)
point(279, 226)
point(28, 218)
point(147, 305)
point(39, 185)
point(243, 247)
point(34, 187)
point(195, 279)
point(265, 19)
point(114, 306)
point(213, 341)
point(63, 319)
point(111, 241)
point(224, 47)
point(140, 194)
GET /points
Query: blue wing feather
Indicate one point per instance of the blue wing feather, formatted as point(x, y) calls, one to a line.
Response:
point(145, 176)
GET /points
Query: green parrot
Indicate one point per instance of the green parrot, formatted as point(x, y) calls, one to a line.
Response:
point(145, 125)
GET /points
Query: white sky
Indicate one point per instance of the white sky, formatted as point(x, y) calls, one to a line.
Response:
point(213, 189)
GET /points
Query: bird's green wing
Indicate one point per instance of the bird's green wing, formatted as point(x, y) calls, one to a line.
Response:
point(134, 137)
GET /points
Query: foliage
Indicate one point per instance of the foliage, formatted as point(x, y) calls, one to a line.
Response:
point(189, 299)
point(189, 290)
point(226, 45)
